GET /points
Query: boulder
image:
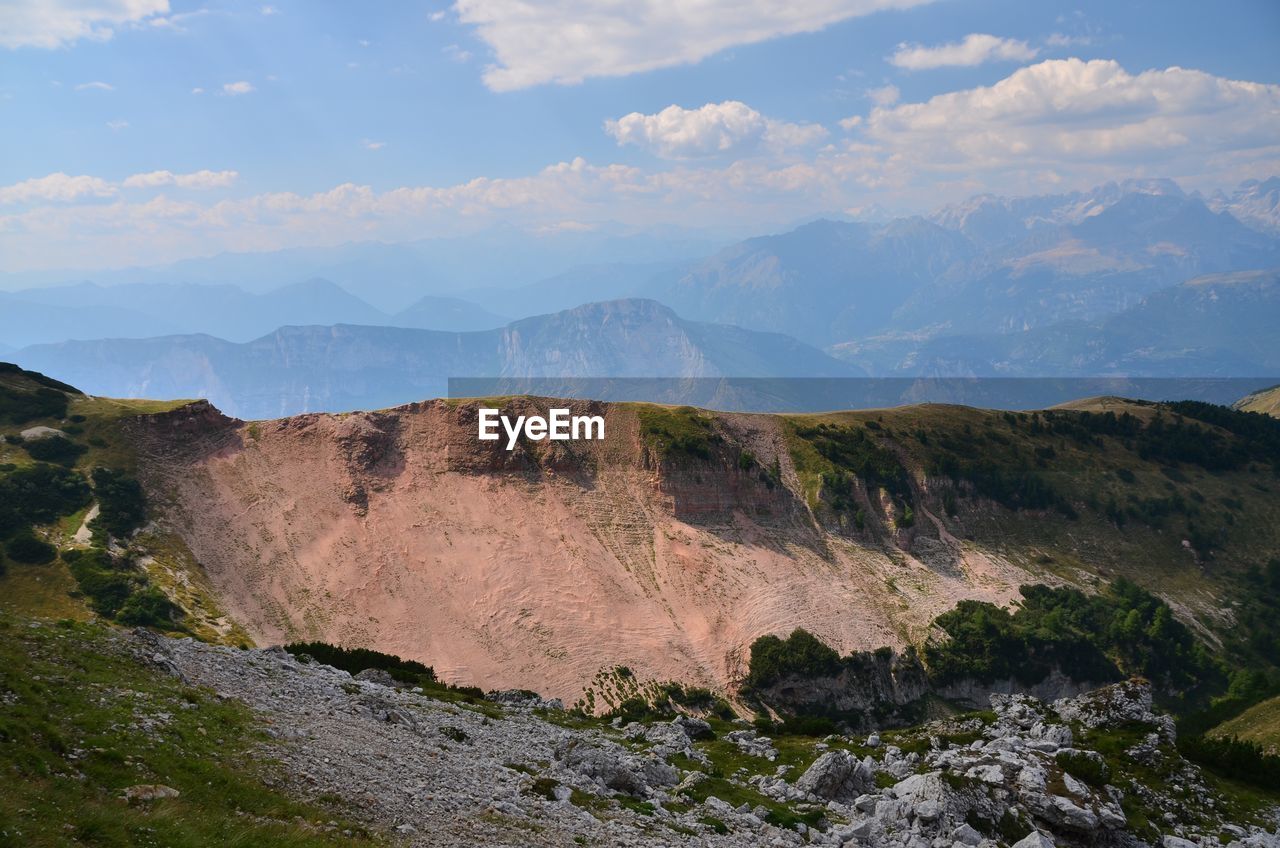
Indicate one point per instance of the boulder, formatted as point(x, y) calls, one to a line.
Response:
point(149, 792)
point(836, 776)
point(1035, 839)
point(379, 676)
point(694, 728)
point(614, 768)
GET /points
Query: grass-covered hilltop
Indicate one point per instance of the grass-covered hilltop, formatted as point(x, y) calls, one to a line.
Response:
point(1127, 695)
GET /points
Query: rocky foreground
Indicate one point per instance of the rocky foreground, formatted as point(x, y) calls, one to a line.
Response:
point(520, 771)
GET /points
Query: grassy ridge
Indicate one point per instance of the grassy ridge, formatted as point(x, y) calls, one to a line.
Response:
point(1260, 724)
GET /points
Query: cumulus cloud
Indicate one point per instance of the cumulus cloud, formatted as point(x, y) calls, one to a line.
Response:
point(56, 23)
point(196, 180)
point(568, 41)
point(713, 129)
point(1069, 114)
point(56, 187)
point(975, 49)
point(369, 144)
point(235, 88)
point(63, 188)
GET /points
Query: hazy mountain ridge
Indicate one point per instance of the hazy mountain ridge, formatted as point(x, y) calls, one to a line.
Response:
point(342, 367)
point(1215, 325)
point(144, 310)
point(994, 265)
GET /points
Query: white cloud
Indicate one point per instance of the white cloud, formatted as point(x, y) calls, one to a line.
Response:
point(269, 10)
point(1070, 115)
point(196, 180)
point(58, 23)
point(713, 129)
point(1059, 39)
point(175, 23)
point(373, 145)
point(456, 53)
point(96, 86)
point(567, 41)
point(975, 49)
point(117, 124)
point(63, 188)
point(197, 90)
point(235, 88)
point(1069, 124)
point(437, 16)
point(885, 95)
point(58, 187)
point(1058, 125)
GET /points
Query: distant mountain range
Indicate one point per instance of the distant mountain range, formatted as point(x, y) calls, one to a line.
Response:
point(343, 367)
point(1136, 278)
point(1215, 325)
point(392, 276)
point(990, 265)
point(142, 310)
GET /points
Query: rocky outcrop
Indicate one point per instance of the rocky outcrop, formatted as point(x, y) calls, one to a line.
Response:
point(873, 689)
point(510, 772)
point(837, 776)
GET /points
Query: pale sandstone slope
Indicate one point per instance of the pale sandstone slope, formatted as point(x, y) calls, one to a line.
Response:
point(400, 531)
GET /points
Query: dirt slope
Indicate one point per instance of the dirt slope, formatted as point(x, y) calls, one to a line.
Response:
point(400, 531)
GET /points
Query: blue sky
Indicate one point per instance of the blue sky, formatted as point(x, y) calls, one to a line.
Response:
point(139, 131)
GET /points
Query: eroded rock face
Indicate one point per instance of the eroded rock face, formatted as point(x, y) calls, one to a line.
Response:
point(533, 568)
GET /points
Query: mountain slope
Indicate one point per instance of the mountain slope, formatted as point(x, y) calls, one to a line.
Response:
point(989, 265)
point(440, 313)
point(681, 537)
point(828, 281)
point(343, 367)
point(1266, 401)
point(1215, 325)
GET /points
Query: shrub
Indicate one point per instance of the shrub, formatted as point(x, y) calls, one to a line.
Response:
point(1239, 760)
point(55, 449)
point(19, 407)
point(122, 506)
point(683, 430)
point(1124, 630)
point(801, 654)
point(104, 580)
point(41, 493)
point(26, 548)
point(355, 660)
point(149, 607)
point(1091, 770)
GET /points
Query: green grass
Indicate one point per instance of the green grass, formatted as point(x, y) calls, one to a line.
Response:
point(679, 431)
point(73, 738)
point(1260, 724)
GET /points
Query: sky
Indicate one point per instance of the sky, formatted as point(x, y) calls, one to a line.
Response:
point(136, 132)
